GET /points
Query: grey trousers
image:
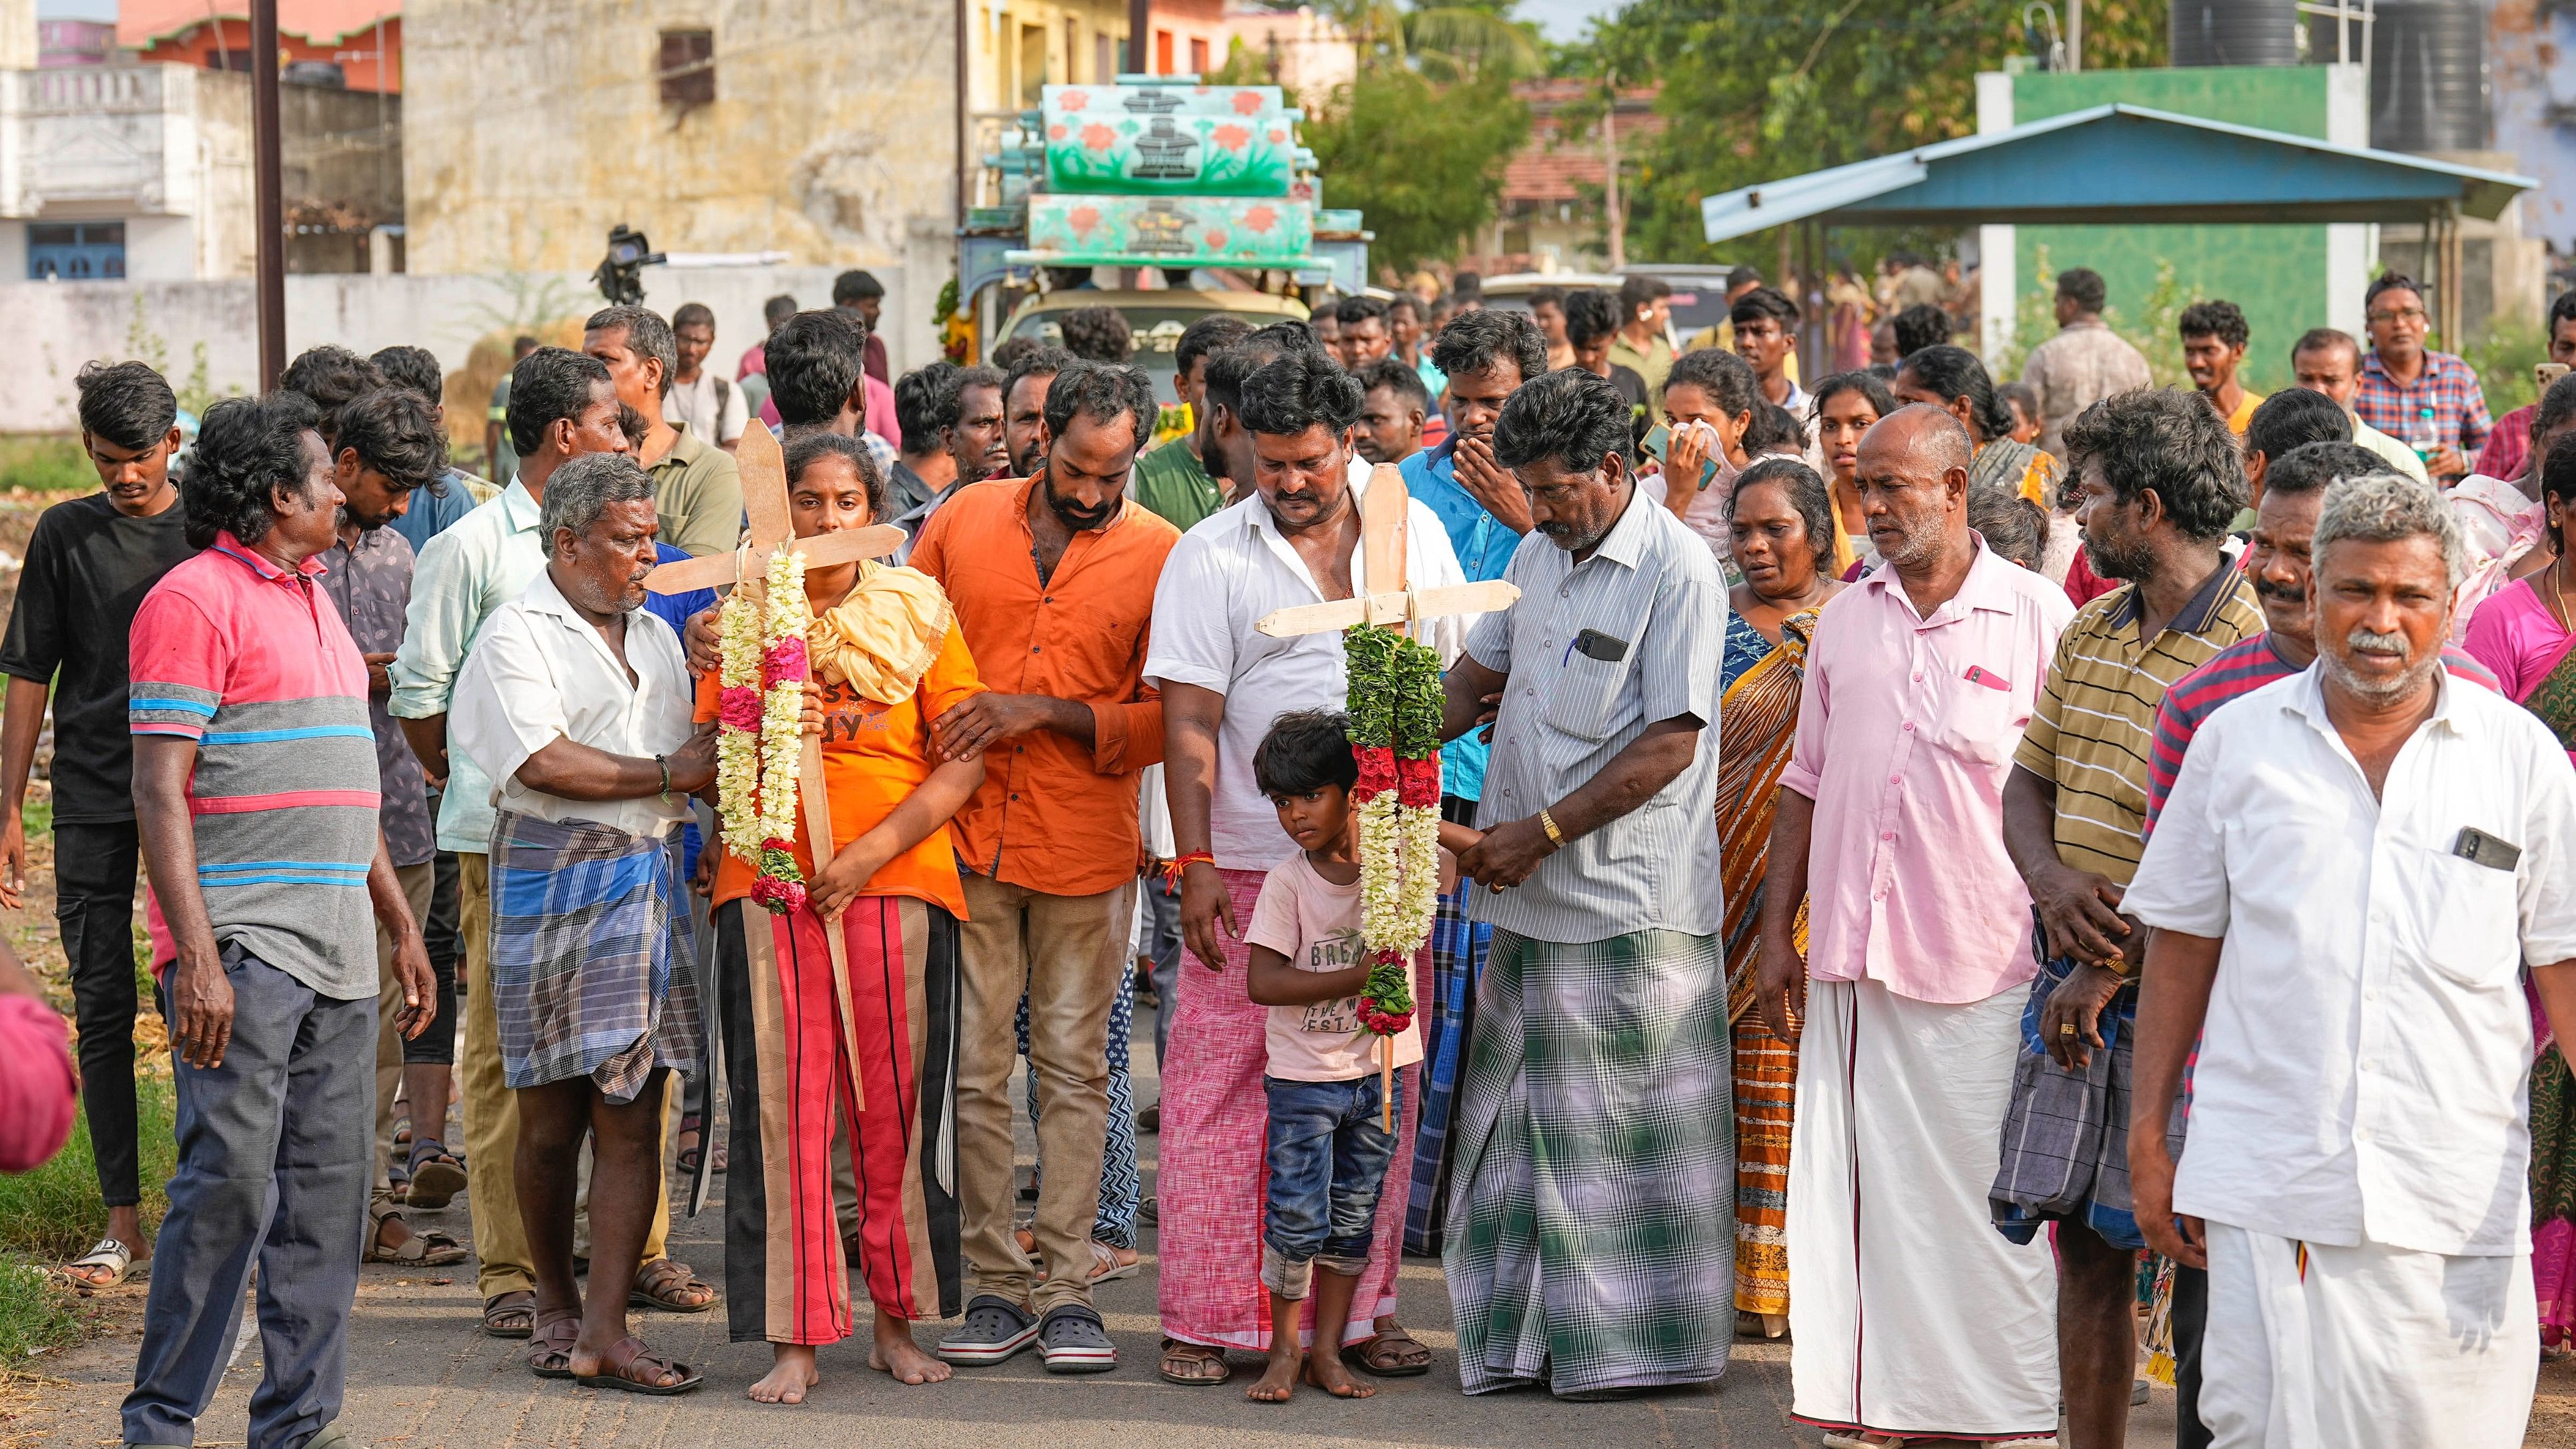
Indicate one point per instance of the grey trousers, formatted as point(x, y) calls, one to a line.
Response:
point(275, 1157)
point(1162, 945)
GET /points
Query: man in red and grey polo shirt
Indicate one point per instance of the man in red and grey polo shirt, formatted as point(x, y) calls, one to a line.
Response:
point(256, 794)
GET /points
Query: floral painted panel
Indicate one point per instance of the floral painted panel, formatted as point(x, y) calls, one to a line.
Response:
point(1214, 231)
point(1169, 140)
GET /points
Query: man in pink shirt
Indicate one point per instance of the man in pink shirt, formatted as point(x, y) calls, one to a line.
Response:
point(1912, 1317)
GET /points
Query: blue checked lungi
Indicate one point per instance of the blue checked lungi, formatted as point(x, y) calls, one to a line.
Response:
point(1458, 948)
point(593, 959)
point(2065, 1149)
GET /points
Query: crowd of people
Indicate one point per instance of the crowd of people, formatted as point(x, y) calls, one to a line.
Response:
point(1885, 788)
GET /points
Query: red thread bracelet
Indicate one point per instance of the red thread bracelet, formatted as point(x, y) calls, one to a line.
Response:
point(1172, 869)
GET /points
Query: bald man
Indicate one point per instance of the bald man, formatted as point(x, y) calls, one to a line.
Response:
point(1909, 1315)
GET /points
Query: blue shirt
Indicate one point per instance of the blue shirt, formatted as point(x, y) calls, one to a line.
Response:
point(676, 610)
point(431, 512)
point(1485, 549)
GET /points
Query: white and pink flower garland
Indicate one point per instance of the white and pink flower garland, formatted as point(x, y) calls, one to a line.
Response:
point(1394, 709)
point(760, 713)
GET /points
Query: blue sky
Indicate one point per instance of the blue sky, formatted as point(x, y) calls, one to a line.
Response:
point(1561, 19)
point(76, 10)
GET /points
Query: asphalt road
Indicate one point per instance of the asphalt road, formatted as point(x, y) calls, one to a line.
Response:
point(423, 1377)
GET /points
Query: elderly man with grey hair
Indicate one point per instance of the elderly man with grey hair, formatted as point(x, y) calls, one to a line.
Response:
point(578, 702)
point(2355, 869)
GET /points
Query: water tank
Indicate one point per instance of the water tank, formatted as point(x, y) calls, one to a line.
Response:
point(2235, 32)
point(2428, 76)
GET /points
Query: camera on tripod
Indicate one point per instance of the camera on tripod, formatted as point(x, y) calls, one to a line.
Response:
point(621, 272)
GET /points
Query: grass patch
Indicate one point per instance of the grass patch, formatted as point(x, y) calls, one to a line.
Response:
point(53, 1214)
point(45, 464)
point(37, 1310)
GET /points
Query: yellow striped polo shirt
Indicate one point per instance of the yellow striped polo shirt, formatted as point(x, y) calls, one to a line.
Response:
point(2091, 728)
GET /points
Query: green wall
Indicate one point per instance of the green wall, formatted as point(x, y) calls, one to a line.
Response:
point(2277, 274)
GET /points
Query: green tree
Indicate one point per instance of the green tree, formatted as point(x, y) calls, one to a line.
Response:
point(1756, 90)
point(1423, 161)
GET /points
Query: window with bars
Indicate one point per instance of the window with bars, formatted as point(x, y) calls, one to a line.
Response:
point(688, 71)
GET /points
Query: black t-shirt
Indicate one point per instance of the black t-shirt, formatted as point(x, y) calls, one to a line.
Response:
point(1632, 389)
point(88, 568)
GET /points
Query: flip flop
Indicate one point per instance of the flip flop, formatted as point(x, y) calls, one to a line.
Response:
point(629, 1354)
point(116, 1258)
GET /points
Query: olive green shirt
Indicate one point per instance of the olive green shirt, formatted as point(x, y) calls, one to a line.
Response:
point(697, 495)
point(1171, 484)
point(1654, 365)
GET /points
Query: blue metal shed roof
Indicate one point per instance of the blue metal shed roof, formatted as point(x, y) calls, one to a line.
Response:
point(2114, 164)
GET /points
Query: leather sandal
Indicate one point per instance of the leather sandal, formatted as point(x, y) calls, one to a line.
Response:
point(665, 1284)
point(510, 1315)
point(550, 1346)
point(627, 1359)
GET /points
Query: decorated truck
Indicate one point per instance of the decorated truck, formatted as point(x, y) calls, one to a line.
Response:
point(1208, 184)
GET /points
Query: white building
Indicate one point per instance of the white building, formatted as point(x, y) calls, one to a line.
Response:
point(140, 171)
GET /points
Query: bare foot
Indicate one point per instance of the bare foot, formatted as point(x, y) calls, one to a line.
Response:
point(1327, 1372)
point(896, 1354)
point(789, 1377)
point(1279, 1380)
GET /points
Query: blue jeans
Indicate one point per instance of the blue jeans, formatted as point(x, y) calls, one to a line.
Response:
point(1327, 1161)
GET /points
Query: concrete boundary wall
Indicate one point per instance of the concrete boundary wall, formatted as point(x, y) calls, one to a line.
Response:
point(51, 328)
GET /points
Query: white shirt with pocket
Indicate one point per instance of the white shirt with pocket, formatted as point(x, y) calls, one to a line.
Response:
point(1223, 577)
point(540, 672)
point(2364, 1066)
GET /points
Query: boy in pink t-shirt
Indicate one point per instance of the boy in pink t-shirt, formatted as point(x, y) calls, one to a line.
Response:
point(1327, 1152)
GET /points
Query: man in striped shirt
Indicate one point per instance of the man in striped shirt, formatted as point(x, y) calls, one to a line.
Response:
point(2276, 560)
point(2160, 479)
point(256, 794)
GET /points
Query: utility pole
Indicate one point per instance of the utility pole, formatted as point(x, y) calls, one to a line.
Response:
point(2074, 35)
point(1618, 221)
point(270, 202)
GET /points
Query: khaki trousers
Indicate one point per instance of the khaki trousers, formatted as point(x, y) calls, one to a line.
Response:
point(492, 1110)
point(1065, 953)
point(417, 883)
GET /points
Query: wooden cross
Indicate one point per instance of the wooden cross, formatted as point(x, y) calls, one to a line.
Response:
point(1384, 516)
point(764, 503)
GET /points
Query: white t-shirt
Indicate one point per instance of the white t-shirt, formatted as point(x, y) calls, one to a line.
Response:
point(695, 403)
point(1223, 577)
point(1316, 925)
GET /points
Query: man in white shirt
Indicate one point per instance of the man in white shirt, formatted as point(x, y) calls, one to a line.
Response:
point(711, 407)
point(2355, 1179)
point(2327, 361)
point(1293, 538)
point(578, 702)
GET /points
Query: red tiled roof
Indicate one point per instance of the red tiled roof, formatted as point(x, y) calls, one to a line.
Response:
point(1547, 171)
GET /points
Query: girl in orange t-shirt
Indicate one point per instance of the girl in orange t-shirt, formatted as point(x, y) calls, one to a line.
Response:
point(887, 659)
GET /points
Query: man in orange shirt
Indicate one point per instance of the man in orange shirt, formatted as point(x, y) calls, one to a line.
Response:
point(1053, 581)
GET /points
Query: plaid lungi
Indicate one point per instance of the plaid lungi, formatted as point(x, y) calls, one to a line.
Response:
point(2065, 1149)
point(593, 958)
point(1590, 1242)
point(1458, 949)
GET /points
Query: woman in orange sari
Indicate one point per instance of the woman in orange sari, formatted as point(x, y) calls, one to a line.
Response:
point(1782, 523)
point(808, 1058)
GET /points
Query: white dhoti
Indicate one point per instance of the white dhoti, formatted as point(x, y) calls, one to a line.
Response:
point(2363, 1347)
point(1913, 1315)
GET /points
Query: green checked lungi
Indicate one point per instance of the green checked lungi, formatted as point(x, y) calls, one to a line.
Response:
point(1591, 1229)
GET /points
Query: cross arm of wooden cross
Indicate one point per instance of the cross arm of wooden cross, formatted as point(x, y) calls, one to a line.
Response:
point(764, 504)
point(1390, 600)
